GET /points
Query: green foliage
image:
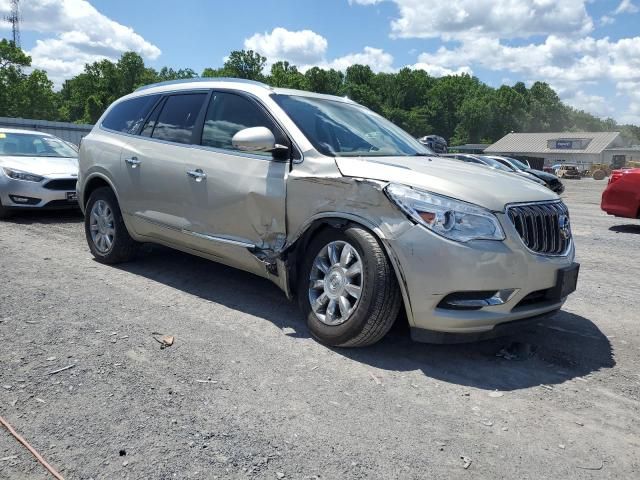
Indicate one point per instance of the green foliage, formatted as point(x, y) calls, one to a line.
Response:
point(460, 108)
point(10, 55)
point(324, 81)
point(285, 75)
point(245, 64)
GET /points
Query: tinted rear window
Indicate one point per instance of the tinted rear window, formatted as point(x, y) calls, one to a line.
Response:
point(127, 116)
point(178, 117)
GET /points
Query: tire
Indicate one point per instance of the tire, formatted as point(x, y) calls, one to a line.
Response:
point(4, 212)
point(122, 247)
point(374, 311)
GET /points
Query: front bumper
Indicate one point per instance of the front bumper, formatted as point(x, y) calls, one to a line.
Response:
point(53, 192)
point(433, 268)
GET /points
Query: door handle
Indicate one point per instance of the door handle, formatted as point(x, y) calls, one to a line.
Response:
point(197, 174)
point(133, 161)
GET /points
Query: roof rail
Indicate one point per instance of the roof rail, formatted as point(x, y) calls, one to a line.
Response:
point(202, 79)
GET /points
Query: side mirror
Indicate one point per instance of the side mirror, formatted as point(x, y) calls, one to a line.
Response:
point(256, 139)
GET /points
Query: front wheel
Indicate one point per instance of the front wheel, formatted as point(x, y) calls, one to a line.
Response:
point(347, 288)
point(107, 235)
point(4, 212)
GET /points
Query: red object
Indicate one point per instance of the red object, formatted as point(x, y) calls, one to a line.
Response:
point(622, 195)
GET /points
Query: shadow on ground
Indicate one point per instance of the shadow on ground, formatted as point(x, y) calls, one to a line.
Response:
point(36, 217)
point(562, 348)
point(629, 228)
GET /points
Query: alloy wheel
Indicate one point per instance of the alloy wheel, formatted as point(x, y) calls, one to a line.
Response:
point(102, 226)
point(335, 283)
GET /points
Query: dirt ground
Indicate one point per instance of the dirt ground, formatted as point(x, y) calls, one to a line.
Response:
point(244, 392)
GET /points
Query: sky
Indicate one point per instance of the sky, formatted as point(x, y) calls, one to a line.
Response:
point(587, 50)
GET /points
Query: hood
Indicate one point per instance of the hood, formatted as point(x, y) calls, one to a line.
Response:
point(41, 165)
point(477, 184)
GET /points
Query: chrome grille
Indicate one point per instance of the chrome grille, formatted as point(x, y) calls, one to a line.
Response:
point(543, 227)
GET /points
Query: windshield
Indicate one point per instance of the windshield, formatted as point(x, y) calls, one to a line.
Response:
point(33, 145)
point(341, 129)
point(518, 164)
point(496, 164)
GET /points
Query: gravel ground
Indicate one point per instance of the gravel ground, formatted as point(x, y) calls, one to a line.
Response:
point(245, 393)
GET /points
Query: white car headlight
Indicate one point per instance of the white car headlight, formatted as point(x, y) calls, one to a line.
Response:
point(445, 216)
point(20, 175)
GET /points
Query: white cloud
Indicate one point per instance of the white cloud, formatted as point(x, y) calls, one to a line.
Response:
point(596, 104)
point(300, 47)
point(569, 65)
point(376, 58)
point(607, 20)
point(365, 2)
point(626, 6)
point(81, 34)
point(558, 59)
point(306, 49)
point(440, 71)
point(494, 18)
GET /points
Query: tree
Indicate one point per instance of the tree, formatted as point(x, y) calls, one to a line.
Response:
point(133, 73)
point(458, 107)
point(287, 76)
point(245, 64)
point(548, 114)
point(10, 55)
point(22, 95)
point(324, 81)
point(166, 74)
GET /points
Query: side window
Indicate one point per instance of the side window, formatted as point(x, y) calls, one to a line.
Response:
point(147, 130)
point(178, 117)
point(127, 116)
point(227, 115)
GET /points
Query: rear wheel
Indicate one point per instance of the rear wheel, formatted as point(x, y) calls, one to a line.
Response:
point(347, 288)
point(105, 230)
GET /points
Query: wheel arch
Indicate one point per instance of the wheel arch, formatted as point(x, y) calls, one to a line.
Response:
point(92, 183)
point(340, 220)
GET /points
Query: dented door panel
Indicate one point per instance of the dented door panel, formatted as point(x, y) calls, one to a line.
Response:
point(240, 205)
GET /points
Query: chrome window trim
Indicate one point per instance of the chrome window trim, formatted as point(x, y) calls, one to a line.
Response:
point(237, 153)
point(537, 203)
point(215, 149)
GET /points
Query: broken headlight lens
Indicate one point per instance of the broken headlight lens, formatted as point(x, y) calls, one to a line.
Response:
point(20, 175)
point(445, 216)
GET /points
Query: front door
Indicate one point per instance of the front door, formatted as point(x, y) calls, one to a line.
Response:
point(238, 207)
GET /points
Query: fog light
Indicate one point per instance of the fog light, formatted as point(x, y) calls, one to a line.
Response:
point(24, 200)
point(475, 300)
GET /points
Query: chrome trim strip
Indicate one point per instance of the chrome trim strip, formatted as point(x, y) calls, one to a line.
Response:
point(205, 236)
point(214, 238)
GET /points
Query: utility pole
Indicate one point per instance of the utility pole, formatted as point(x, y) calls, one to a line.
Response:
point(14, 19)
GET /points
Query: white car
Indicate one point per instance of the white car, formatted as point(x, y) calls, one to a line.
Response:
point(37, 171)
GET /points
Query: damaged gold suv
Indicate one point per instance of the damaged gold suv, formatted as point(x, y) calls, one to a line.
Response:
point(336, 205)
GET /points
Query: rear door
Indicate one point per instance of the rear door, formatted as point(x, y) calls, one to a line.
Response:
point(156, 165)
point(240, 205)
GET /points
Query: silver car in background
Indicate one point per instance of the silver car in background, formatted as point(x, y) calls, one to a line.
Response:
point(37, 171)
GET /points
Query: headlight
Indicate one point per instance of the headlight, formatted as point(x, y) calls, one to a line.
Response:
point(20, 175)
point(445, 216)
